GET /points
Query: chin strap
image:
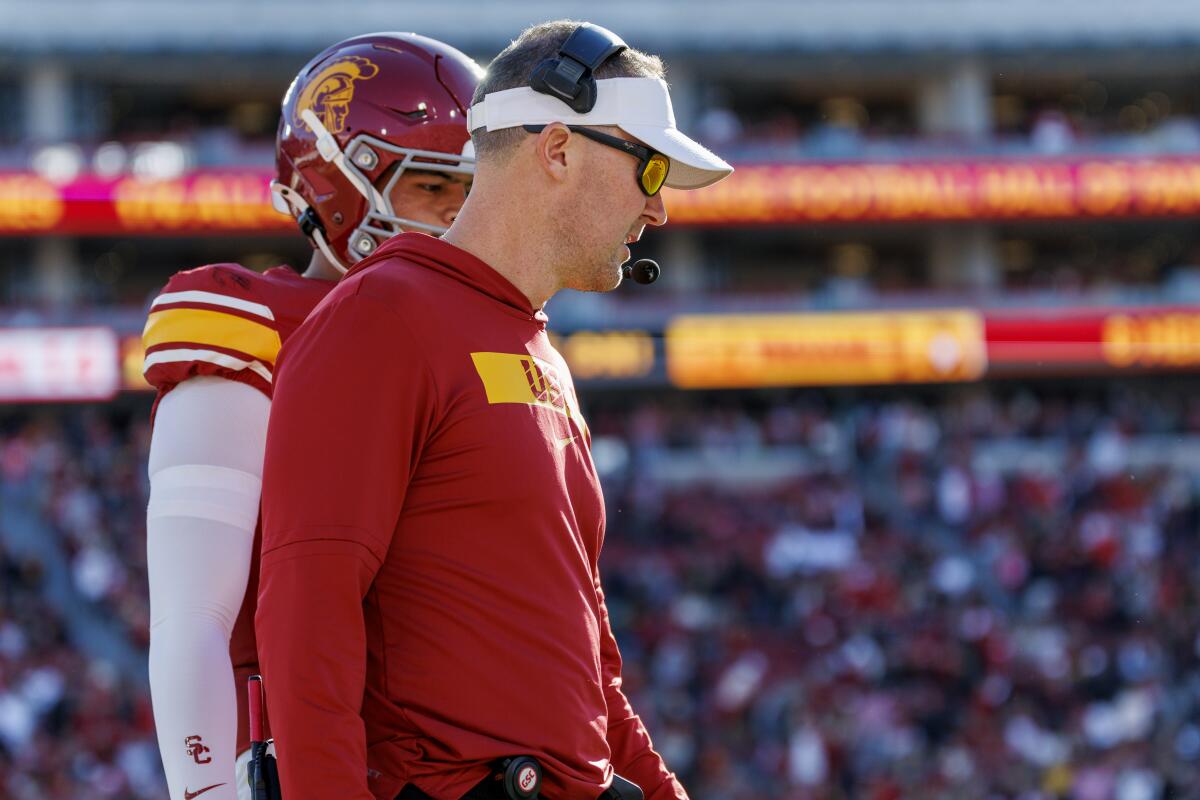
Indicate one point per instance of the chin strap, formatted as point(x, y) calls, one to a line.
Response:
point(286, 201)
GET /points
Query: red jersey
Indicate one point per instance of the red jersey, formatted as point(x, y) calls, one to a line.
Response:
point(430, 598)
point(228, 321)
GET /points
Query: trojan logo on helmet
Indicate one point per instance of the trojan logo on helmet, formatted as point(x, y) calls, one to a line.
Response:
point(354, 121)
point(328, 95)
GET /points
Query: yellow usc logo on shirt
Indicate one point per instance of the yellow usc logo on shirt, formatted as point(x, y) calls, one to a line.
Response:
point(328, 95)
point(525, 379)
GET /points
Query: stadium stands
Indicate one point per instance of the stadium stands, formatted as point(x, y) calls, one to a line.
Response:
point(962, 593)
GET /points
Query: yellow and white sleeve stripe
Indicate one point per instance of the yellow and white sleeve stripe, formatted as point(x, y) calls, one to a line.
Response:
point(197, 330)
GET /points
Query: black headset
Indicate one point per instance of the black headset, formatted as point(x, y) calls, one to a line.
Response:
point(569, 77)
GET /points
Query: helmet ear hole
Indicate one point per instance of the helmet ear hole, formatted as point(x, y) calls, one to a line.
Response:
point(279, 200)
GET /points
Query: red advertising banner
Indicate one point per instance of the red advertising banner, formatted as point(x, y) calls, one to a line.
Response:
point(945, 191)
point(1096, 341)
point(239, 201)
point(203, 202)
point(943, 346)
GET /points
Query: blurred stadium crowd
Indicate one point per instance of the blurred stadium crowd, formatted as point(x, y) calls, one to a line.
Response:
point(70, 725)
point(967, 594)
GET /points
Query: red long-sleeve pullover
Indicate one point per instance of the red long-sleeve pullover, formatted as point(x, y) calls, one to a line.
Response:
point(429, 595)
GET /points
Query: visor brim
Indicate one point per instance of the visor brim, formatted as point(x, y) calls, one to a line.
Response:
point(693, 166)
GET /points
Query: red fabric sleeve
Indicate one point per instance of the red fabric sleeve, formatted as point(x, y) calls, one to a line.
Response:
point(165, 377)
point(353, 402)
point(633, 755)
point(226, 290)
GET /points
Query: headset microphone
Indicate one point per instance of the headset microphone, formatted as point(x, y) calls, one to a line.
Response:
point(642, 271)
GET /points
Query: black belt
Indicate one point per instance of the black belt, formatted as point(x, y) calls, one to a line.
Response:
point(512, 779)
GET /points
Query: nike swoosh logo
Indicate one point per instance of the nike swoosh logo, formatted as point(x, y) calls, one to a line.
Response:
point(189, 795)
point(562, 443)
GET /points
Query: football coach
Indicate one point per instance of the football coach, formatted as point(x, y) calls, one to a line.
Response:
point(431, 622)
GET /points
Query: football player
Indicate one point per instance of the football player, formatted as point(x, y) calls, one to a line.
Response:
point(372, 141)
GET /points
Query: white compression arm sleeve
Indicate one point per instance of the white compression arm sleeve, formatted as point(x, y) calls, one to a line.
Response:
point(206, 458)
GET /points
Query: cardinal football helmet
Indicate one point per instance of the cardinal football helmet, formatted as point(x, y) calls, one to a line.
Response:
point(355, 118)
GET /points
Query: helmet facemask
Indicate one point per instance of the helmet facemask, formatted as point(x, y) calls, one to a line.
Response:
point(380, 223)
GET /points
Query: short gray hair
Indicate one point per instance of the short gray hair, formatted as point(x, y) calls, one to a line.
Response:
point(515, 64)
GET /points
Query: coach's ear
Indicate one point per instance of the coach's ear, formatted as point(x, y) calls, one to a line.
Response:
point(550, 149)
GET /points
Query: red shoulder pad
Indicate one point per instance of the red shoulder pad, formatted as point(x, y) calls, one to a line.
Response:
point(214, 320)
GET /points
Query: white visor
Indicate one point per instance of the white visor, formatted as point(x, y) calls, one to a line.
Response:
point(639, 106)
